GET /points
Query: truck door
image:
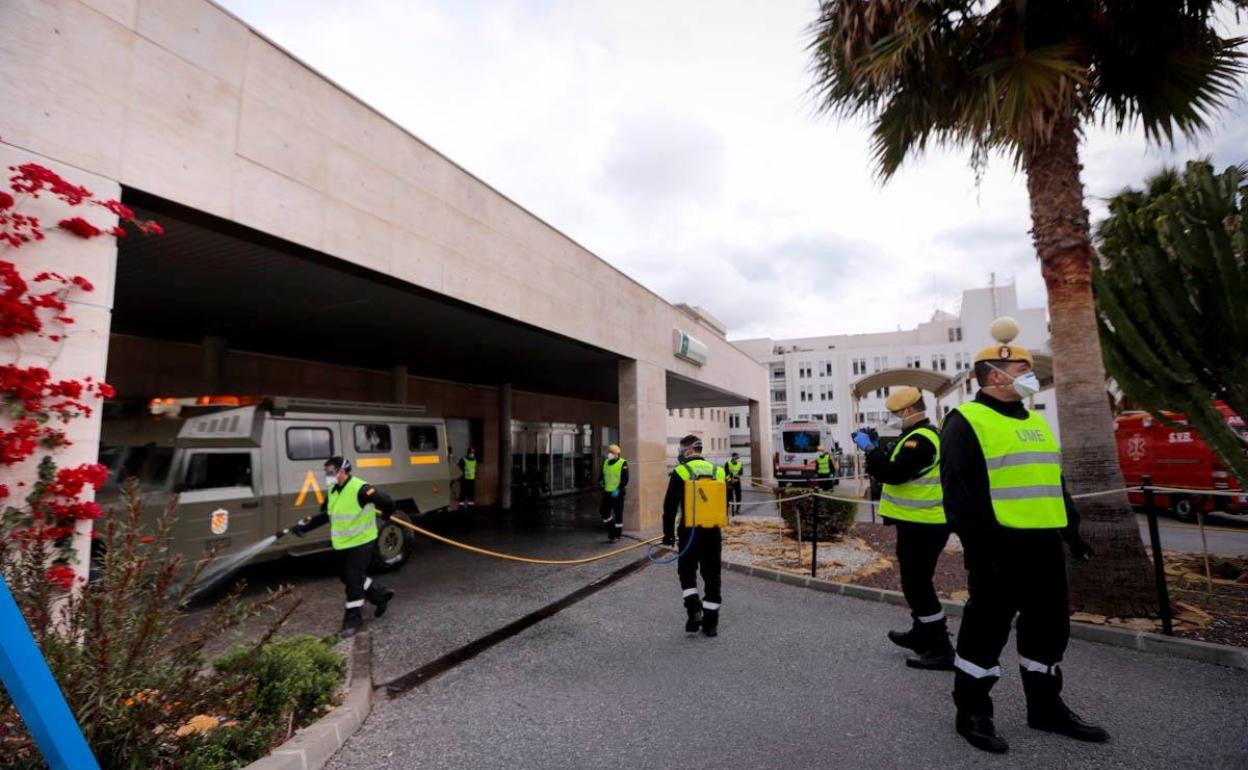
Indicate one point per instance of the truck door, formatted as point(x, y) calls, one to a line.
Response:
point(219, 502)
point(302, 447)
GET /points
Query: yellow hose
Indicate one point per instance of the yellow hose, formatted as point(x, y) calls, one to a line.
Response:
point(525, 559)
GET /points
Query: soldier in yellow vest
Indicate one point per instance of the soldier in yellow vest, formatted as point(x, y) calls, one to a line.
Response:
point(468, 482)
point(702, 526)
point(911, 499)
point(732, 472)
point(351, 507)
point(824, 466)
point(614, 484)
point(1005, 497)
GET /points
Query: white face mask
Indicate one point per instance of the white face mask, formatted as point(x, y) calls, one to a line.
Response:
point(611, 455)
point(893, 421)
point(331, 481)
point(1025, 385)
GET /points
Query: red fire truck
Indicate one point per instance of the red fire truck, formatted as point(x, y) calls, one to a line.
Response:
point(1177, 457)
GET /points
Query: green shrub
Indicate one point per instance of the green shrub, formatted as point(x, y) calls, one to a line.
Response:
point(130, 667)
point(835, 517)
point(298, 675)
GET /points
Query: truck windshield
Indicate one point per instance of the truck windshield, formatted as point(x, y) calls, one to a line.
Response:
point(801, 440)
point(149, 464)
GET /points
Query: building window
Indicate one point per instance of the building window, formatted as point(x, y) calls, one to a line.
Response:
point(827, 368)
point(876, 364)
point(860, 366)
point(777, 396)
point(830, 419)
point(1040, 407)
point(914, 362)
point(939, 363)
point(959, 334)
point(777, 373)
point(969, 382)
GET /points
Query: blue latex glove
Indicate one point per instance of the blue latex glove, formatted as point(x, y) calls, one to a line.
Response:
point(615, 493)
point(863, 441)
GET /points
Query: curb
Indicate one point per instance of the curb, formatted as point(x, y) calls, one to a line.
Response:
point(312, 747)
point(1203, 652)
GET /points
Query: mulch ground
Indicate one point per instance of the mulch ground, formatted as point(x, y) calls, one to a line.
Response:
point(1219, 616)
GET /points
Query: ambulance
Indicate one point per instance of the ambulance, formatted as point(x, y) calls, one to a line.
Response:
point(798, 443)
point(1177, 457)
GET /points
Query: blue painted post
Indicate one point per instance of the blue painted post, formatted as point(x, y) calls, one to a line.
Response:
point(34, 691)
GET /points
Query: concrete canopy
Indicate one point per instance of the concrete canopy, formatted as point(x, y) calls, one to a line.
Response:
point(207, 276)
point(683, 393)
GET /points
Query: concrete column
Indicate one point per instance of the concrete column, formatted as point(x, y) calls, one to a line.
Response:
point(599, 432)
point(82, 350)
point(760, 440)
point(643, 437)
point(398, 384)
point(504, 446)
point(215, 351)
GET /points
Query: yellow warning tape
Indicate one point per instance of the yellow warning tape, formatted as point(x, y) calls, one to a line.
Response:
point(525, 559)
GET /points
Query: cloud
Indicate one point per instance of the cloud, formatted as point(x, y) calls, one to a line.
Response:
point(658, 159)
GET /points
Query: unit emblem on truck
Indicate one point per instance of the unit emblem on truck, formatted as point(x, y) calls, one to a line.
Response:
point(220, 521)
point(1136, 448)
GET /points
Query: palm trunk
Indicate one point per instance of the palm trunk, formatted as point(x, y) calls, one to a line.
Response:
point(1117, 582)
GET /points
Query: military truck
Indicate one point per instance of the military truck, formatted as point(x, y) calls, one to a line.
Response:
point(242, 474)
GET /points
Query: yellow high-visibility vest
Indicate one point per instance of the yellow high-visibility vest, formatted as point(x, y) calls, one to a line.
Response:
point(1024, 464)
point(919, 500)
point(350, 524)
point(611, 474)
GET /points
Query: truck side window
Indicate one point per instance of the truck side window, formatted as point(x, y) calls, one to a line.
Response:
point(422, 438)
point(215, 470)
point(372, 438)
point(309, 443)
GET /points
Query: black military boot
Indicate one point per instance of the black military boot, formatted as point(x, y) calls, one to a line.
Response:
point(693, 608)
point(352, 623)
point(379, 597)
point(974, 719)
point(911, 640)
point(710, 622)
point(936, 652)
point(1046, 711)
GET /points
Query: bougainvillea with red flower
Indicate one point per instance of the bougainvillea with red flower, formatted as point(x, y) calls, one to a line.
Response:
point(36, 532)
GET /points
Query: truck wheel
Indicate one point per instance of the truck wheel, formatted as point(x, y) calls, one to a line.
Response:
point(1184, 510)
point(393, 546)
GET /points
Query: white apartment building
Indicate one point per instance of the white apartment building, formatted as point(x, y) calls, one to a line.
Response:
point(811, 377)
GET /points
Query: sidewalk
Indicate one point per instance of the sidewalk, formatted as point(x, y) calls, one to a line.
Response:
point(797, 679)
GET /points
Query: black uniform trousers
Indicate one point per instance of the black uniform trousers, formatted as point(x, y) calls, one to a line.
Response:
point(918, 549)
point(612, 511)
point(704, 554)
point(1023, 572)
point(734, 496)
point(825, 482)
point(354, 574)
point(467, 490)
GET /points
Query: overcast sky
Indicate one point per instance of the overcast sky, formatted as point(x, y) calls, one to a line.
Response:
point(676, 141)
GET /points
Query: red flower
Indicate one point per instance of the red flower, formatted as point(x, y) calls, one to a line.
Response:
point(6, 200)
point(4, 491)
point(79, 227)
point(122, 211)
point(105, 390)
point(62, 576)
point(33, 178)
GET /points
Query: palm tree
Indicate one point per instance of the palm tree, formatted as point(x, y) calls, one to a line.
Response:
point(1025, 77)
